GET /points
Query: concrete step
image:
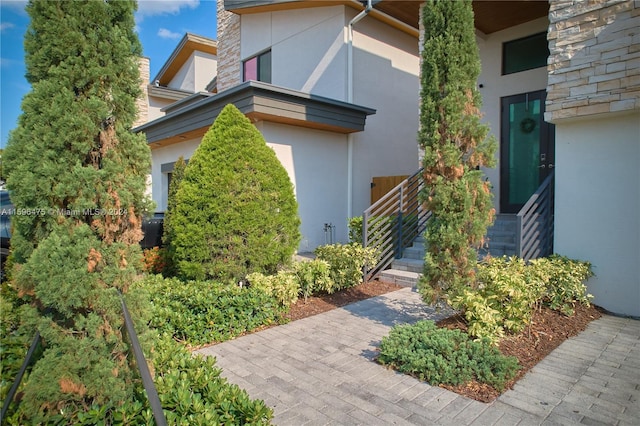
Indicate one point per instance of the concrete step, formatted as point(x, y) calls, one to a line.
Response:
point(411, 265)
point(414, 252)
point(399, 277)
point(501, 236)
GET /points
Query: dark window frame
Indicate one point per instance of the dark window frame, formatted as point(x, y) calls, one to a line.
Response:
point(260, 58)
point(519, 41)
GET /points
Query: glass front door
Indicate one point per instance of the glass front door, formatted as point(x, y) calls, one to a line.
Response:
point(526, 151)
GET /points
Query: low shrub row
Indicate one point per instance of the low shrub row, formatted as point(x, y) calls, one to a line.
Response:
point(336, 267)
point(510, 290)
point(202, 312)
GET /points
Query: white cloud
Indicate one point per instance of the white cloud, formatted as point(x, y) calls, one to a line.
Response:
point(163, 7)
point(165, 33)
point(4, 26)
point(15, 5)
point(8, 63)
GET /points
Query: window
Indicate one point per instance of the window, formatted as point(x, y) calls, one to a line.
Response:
point(257, 68)
point(525, 54)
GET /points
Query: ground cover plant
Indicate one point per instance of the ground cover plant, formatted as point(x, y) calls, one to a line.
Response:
point(443, 356)
point(513, 302)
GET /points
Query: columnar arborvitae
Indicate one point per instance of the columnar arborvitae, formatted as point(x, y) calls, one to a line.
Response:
point(168, 233)
point(236, 211)
point(455, 145)
point(77, 177)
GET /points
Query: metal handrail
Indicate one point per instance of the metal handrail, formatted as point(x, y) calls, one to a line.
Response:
point(18, 379)
point(535, 224)
point(392, 223)
point(147, 381)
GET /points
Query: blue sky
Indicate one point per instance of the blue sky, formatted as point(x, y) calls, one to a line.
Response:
point(160, 24)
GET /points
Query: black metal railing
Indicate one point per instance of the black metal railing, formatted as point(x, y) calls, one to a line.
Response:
point(535, 223)
point(145, 374)
point(393, 222)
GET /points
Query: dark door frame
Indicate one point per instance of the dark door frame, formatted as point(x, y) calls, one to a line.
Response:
point(547, 146)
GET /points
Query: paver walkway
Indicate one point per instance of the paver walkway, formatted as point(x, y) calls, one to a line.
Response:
point(319, 370)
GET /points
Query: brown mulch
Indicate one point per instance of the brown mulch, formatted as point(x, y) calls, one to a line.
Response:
point(318, 304)
point(546, 332)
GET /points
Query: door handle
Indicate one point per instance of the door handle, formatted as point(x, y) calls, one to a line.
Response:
point(551, 166)
point(542, 166)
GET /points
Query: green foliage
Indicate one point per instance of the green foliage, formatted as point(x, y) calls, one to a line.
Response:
point(14, 340)
point(235, 208)
point(313, 277)
point(74, 165)
point(283, 286)
point(564, 279)
point(192, 392)
point(442, 356)
point(455, 145)
point(355, 229)
point(202, 312)
point(347, 262)
point(168, 233)
point(509, 291)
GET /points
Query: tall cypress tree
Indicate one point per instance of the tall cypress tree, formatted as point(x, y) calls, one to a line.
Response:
point(77, 177)
point(456, 145)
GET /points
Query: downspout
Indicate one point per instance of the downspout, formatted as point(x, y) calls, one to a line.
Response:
point(354, 21)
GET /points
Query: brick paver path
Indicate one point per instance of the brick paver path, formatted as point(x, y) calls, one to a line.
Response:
point(319, 370)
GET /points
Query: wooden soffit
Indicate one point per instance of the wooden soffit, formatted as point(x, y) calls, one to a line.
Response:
point(189, 44)
point(490, 15)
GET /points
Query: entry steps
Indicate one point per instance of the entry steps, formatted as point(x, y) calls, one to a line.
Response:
point(501, 241)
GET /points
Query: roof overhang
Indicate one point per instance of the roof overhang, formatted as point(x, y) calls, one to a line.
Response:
point(490, 15)
point(189, 44)
point(260, 102)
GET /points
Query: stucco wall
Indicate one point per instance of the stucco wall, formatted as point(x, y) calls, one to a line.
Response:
point(495, 85)
point(316, 162)
point(159, 180)
point(308, 51)
point(386, 69)
point(195, 73)
point(597, 213)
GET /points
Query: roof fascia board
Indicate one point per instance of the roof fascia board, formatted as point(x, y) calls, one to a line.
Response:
point(260, 101)
point(187, 45)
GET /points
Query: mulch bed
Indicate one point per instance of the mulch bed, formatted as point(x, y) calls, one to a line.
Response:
point(546, 332)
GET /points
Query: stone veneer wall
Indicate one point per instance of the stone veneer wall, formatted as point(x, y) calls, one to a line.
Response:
point(594, 62)
point(229, 71)
point(142, 103)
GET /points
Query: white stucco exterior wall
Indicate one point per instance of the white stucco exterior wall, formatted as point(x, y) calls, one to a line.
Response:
point(160, 156)
point(308, 51)
point(195, 73)
point(316, 161)
point(496, 86)
point(386, 77)
point(597, 207)
point(309, 54)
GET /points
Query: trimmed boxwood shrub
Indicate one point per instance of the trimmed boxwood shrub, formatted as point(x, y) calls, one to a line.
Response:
point(202, 312)
point(235, 212)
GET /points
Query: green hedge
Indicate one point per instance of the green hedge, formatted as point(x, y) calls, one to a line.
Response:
point(202, 312)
